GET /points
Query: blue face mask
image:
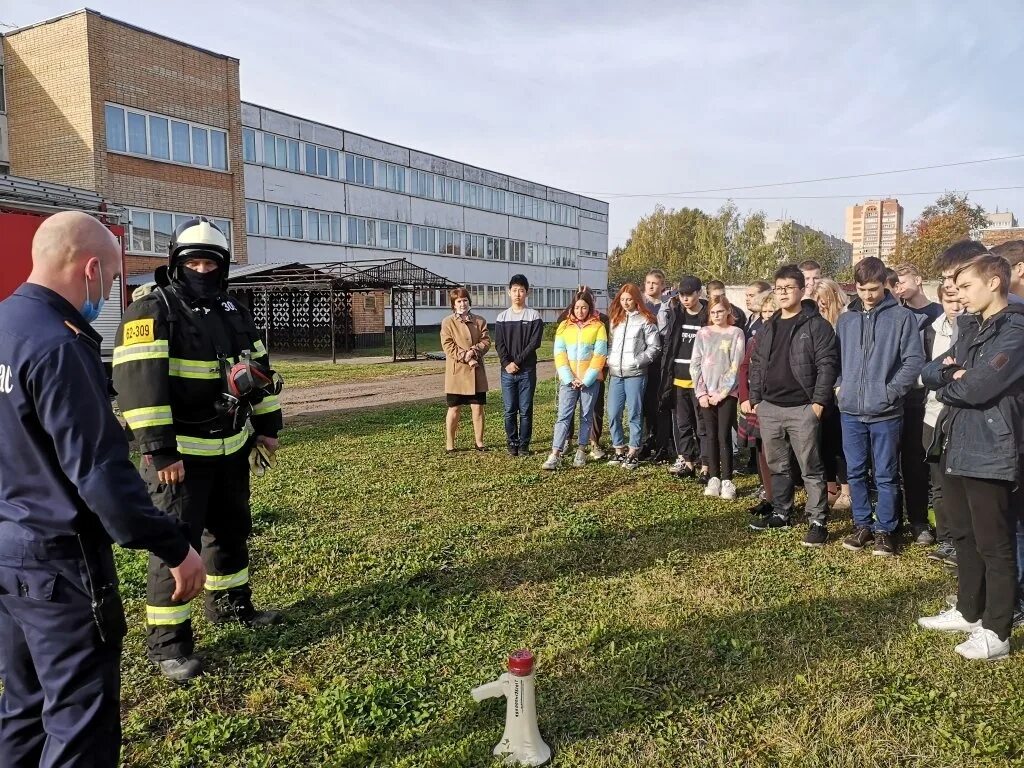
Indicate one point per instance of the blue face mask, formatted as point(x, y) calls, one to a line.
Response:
point(91, 310)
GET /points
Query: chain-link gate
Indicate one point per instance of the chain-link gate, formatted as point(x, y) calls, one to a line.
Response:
point(403, 324)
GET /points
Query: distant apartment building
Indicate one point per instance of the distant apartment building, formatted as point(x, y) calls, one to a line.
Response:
point(837, 245)
point(872, 228)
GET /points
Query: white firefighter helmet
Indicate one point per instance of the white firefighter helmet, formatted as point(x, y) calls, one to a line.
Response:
point(198, 238)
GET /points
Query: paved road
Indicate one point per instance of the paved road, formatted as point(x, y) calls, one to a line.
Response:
point(307, 404)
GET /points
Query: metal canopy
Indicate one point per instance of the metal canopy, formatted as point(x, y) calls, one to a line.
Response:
point(338, 276)
point(338, 280)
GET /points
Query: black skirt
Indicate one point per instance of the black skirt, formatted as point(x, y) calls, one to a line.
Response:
point(480, 398)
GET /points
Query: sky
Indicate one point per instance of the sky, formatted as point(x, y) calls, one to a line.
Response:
point(635, 103)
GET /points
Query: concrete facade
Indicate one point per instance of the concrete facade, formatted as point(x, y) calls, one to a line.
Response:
point(63, 74)
point(837, 244)
point(499, 233)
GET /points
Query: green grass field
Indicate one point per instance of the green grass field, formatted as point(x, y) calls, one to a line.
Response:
point(666, 634)
point(312, 374)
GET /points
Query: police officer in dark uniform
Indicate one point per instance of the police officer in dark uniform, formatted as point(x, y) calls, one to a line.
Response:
point(67, 489)
point(191, 373)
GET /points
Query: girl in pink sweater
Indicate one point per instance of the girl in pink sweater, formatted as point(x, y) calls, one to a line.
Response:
point(717, 354)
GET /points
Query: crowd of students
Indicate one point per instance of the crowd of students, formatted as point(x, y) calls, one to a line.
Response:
point(881, 404)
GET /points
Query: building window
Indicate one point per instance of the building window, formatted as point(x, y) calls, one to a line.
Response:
point(362, 231)
point(359, 170)
point(142, 235)
point(137, 143)
point(452, 243)
point(160, 138)
point(116, 139)
point(252, 217)
point(181, 142)
point(249, 145)
point(393, 235)
point(151, 231)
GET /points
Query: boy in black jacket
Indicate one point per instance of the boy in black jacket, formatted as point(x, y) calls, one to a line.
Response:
point(517, 336)
point(980, 438)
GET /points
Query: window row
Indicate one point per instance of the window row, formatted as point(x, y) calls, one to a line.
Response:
point(294, 223)
point(496, 297)
point(150, 231)
point(319, 226)
point(163, 138)
point(269, 149)
point(288, 154)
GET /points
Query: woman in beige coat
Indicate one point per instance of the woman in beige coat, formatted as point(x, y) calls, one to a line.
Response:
point(465, 342)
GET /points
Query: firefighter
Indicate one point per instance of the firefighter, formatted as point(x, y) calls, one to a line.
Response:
point(191, 373)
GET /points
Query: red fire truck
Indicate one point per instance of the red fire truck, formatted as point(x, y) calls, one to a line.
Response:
point(24, 203)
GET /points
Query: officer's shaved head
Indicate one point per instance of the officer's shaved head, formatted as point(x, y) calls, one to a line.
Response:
point(71, 248)
point(71, 236)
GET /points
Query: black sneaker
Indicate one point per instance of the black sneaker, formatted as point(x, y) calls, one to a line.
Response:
point(246, 616)
point(770, 523)
point(817, 535)
point(702, 476)
point(513, 450)
point(922, 535)
point(761, 509)
point(884, 546)
point(630, 463)
point(859, 539)
point(1018, 616)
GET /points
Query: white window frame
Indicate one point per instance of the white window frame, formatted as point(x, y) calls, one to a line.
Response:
point(192, 125)
point(176, 217)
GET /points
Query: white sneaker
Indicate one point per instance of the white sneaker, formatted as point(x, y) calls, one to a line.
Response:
point(948, 621)
point(678, 467)
point(597, 453)
point(714, 487)
point(728, 489)
point(552, 463)
point(580, 459)
point(984, 645)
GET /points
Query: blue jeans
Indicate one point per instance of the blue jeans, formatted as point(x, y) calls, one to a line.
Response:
point(567, 400)
point(517, 394)
point(873, 444)
point(626, 393)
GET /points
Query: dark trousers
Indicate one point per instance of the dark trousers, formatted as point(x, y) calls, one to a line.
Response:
point(688, 427)
point(913, 464)
point(62, 684)
point(984, 531)
point(657, 423)
point(718, 423)
point(938, 500)
point(787, 432)
point(213, 502)
point(517, 395)
point(832, 446)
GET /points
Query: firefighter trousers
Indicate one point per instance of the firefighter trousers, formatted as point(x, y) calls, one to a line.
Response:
point(213, 502)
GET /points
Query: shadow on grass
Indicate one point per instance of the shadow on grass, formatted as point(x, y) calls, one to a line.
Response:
point(590, 552)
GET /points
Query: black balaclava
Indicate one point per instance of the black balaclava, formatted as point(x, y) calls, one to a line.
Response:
point(202, 285)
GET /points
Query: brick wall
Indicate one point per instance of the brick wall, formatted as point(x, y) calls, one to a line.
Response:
point(143, 70)
point(992, 237)
point(61, 74)
point(50, 118)
point(368, 311)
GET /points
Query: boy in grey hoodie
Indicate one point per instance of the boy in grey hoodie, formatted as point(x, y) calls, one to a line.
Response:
point(881, 358)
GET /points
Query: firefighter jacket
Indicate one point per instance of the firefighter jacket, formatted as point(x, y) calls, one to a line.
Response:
point(170, 357)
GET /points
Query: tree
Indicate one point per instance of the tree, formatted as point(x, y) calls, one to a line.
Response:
point(663, 240)
point(949, 219)
point(794, 244)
